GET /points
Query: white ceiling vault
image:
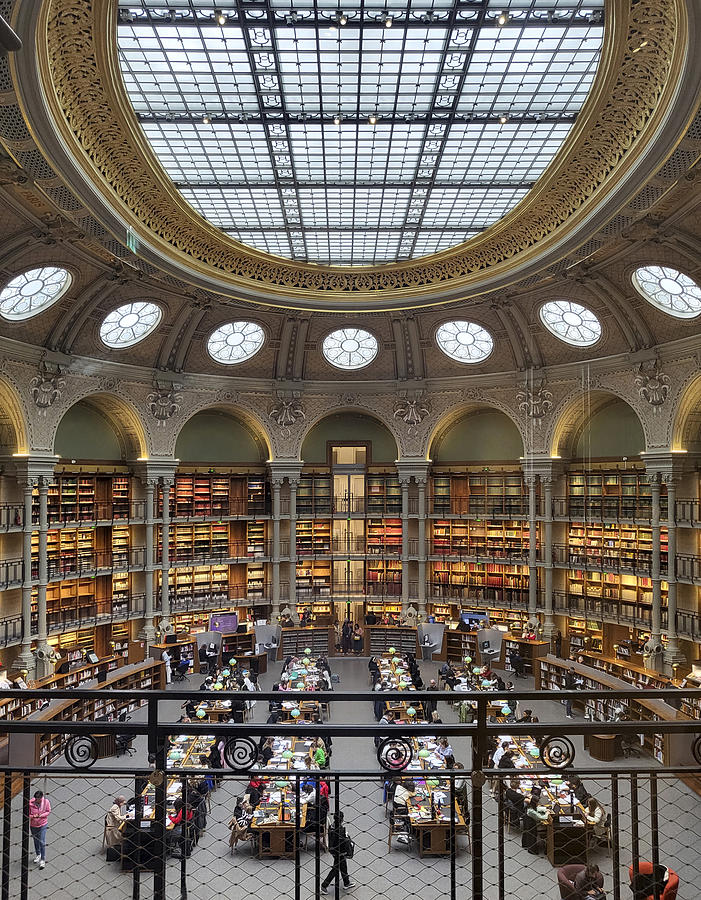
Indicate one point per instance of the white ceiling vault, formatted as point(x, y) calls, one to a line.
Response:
point(260, 112)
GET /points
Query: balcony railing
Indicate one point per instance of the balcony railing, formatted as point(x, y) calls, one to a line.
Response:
point(483, 507)
point(637, 562)
point(463, 834)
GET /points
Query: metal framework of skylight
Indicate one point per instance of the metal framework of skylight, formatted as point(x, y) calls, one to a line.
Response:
point(469, 112)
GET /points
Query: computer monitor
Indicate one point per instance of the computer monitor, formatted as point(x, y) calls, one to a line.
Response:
point(171, 639)
point(92, 657)
point(472, 618)
point(101, 677)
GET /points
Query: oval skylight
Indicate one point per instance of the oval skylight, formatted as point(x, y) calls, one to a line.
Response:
point(350, 348)
point(669, 290)
point(317, 133)
point(466, 342)
point(129, 324)
point(571, 322)
point(32, 292)
point(235, 342)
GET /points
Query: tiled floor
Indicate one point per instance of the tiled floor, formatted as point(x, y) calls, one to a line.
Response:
point(76, 867)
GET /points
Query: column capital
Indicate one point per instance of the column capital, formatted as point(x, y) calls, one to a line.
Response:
point(281, 469)
point(416, 467)
point(152, 471)
point(542, 465)
point(33, 468)
point(668, 466)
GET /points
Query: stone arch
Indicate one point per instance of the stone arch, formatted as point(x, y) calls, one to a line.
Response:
point(462, 411)
point(348, 411)
point(14, 433)
point(576, 412)
point(686, 424)
point(250, 422)
point(121, 416)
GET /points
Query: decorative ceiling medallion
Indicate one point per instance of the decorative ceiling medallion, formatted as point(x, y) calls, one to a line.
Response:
point(634, 89)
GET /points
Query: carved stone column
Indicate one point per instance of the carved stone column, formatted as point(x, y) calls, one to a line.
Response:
point(166, 487)
point(549, 623)
point(404, 482)
point(672, 654)
point(655, 577)
point(422, 548)
point(44, 666)
point(275, 586)
point(294, 483)
point(30, 472)
point(148, 632)
point(532, 483)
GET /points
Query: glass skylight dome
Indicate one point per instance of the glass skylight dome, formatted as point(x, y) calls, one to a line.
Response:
point(357, 143)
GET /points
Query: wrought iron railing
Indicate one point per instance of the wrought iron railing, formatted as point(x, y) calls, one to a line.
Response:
point(465, 836)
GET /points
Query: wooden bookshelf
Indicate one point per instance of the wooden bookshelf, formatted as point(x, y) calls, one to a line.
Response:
point(383, 495)
point(314, 495)
point(320, 639)
point(627, 671)
point(185, 646)
point(200, 494)
point(495, 494)
point(529, 651)
point(585, 635)
point(384, 537)
point(613, 544)
point(667, 749)
point(629, 592)
point(36, 749)
point(459, 644)
point(382, 608)
point(322, 611)
point(497, 581)
point(242, 648)
point(379, 638)
point(313, 537)
point(383, 576)
point(255, 539)
point(255, 582)
point(314, 577)
point(444, 610)
point(611, 495)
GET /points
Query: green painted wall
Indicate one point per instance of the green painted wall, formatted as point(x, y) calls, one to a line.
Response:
point(479, 437)
point(84, 433)
point(349, 427)
point(614, 430)
point(215, 437)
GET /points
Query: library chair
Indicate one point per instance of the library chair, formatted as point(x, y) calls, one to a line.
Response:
point(669, 888)
point(399, 826)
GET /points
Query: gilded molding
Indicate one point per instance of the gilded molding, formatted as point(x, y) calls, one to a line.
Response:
point(635, 86)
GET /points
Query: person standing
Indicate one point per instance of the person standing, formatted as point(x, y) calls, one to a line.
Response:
point(166, 657)
point(346, 636)
point(570, 685)
point(341, 849)
point(39, 812)
point(558, 644)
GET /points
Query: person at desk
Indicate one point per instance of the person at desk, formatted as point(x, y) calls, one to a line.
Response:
point(113, 821)
point(517, 663)
point(443, 749)
point(266, 751)
point(507, 761)
point(589, 882)
point(190, 708)
point(431, 705)
point(578, 790)
point(240, 823)
point(535, 815)
point(179, 818)
point(306, 618)
point(317, 753)
point(596, 818)
point(403, 792)
point(499, 752)
point(448, 675)
point(371, 619)
point(515, 803)
point(207, 684)
point(526, 717)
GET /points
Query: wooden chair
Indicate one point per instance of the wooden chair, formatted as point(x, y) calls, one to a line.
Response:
point(104, 834)
point(398, 826)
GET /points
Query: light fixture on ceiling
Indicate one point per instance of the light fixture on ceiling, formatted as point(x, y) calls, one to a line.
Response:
point(387, 20)
point(503, 17)
point(339, 19)
point(291, 18)
point(126, 16)
point(337, 119)
point(221, 18)
point(428, 17)
point(206, 119)
point(503, 119)
point(372, 118)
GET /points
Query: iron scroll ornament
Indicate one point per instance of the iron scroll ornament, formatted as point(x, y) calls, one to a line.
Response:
point(81, 751)
point(557, 752)
point(240, 753)
point(394, 753)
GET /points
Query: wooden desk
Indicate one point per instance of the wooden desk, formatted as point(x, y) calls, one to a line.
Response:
point(433, 834)
point(566, 842)
point(602, 746)
point(106, 745)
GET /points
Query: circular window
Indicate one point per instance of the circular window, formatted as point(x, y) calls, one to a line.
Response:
point(669, 290)
point(350, 348)
point(129, 324)
point(571, 322)
point(235, 342)
point(33, 291)
point(466, 342)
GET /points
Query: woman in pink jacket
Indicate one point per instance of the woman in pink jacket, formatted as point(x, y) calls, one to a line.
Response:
point(39, 811)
